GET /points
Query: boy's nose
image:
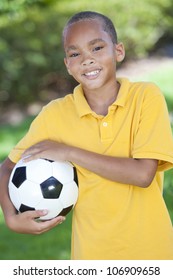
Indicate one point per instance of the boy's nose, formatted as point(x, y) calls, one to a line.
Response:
point(87, 60)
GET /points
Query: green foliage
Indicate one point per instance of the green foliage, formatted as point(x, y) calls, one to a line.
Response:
point(28, 54)
point(31, 54)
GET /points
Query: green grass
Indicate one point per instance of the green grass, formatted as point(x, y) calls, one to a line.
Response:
point(52, 245)
point(168, 191)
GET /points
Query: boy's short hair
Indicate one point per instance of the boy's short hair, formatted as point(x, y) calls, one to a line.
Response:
point(108, 25)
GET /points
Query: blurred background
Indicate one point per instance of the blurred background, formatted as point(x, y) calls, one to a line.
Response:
point(32, 72)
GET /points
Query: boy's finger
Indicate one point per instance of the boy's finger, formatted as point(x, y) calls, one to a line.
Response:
point(36, 213)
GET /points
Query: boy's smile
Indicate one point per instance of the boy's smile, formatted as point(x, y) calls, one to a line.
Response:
point(93, 74)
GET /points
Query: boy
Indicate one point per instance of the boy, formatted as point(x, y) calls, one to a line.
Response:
point(118, 136)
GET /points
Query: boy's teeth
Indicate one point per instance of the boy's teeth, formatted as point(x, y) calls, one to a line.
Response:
point(92, 73)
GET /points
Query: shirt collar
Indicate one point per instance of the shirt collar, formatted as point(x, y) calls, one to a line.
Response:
point(123, 92)
point(83, 107)
point(81, 104)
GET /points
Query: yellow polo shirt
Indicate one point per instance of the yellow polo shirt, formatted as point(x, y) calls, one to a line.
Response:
point(113, 220)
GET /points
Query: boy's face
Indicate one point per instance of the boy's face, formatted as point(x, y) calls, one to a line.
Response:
point(90, 54)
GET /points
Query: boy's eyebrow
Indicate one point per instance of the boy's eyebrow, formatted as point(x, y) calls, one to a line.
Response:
point(71, 48)
point(97, 40)
point(92, 42)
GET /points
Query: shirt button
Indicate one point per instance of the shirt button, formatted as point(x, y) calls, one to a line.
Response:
point(105, 124)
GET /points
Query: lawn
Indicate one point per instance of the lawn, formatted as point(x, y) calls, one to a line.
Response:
point(55, 244)
point(52, 245)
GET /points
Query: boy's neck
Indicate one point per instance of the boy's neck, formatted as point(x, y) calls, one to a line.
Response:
point(100, 100)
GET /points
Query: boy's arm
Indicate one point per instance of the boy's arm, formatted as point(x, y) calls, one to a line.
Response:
point(138, 172)
point(23, 222)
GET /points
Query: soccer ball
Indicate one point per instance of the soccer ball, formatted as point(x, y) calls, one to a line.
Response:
point(44, 184)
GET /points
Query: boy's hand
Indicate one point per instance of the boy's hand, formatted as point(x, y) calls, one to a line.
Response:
point(48, 149)
point(27, 222)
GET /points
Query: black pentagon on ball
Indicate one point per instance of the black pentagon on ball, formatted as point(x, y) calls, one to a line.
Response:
point(75, 175)
point(19, 176)
point(24, 208)
point(51, 188)
point(48, 160)
point(65, 211)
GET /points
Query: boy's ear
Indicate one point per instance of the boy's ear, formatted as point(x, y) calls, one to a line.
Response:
point(66, 64)
point(120, 52)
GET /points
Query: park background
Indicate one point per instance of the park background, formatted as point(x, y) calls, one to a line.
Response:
point(32, 73)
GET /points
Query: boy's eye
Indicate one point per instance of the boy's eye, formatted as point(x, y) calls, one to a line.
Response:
point(74, 55)
point(98, 48)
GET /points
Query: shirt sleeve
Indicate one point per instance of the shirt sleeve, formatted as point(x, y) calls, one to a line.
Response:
point(153, 138)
